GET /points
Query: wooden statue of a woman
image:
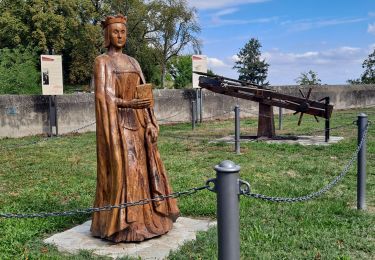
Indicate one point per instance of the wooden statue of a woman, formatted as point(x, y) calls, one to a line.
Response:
point(129, 167)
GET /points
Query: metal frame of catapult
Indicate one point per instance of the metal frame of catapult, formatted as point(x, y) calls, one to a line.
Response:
point(267, 98)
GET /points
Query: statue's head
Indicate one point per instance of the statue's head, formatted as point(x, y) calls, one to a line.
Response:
point(114, 31)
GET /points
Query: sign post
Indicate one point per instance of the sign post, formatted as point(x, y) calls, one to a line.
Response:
point(52, 85)
point(200, 65)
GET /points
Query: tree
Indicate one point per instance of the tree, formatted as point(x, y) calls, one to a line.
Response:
point(180, 68)
point(18, 71)
point(157, 31)
point(175, 27)
point(140, 25)
point(250, 66)
point(368, 76)
point(63, 27)
point(308, 78)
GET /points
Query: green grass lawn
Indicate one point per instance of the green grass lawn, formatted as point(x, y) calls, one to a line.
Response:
point(60, 174)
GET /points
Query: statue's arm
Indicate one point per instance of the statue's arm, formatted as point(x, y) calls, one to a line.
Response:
point(99, 78)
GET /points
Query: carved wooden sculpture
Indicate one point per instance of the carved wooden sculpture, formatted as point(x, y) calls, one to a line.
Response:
point(129, 167)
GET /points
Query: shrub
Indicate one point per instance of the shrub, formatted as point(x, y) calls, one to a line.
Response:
point(18, 71)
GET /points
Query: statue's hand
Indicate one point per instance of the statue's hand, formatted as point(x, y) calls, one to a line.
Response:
point(139, 103)
point(152, 131)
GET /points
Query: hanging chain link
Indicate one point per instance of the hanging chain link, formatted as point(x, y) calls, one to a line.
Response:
point(320, 192)
point(75, 131)
point(105, 208)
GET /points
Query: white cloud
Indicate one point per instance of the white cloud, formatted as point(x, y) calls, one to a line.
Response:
point(333, 66)
point(234, 58)
point(216, 63)
point(371, 28)
point(226, 12)
point(308, 24)
point(217, 21)
point(331, 56)
point(371, 48)
point(216, 4)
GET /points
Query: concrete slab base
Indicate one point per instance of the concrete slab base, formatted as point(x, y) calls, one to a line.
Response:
point(301, 139)
point(309, 140)
point(79, 238)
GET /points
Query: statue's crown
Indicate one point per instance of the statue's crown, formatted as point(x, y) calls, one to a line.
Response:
point(114, 19)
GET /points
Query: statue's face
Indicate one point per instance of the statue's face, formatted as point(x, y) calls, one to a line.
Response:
point(117, 34)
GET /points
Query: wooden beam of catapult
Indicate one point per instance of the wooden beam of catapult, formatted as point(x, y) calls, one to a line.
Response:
point(268, 98)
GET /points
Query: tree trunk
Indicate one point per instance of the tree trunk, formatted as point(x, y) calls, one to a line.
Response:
point(163, 72)
point(266, 124)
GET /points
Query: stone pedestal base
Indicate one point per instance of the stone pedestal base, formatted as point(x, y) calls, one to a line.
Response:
point(79, 238)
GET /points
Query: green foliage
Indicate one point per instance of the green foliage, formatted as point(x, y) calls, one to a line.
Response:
point(368, 76)
point(210, 72)
point(181, 71)
point(173, 28)
point(67, 28)
point(18, 71)
point(250, 66)
point(157, 31)
point(308, 78)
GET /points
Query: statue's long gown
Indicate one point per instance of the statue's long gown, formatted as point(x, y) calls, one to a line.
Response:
point(129, 167)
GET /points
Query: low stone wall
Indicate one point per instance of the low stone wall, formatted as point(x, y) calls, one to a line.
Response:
point(22, 115)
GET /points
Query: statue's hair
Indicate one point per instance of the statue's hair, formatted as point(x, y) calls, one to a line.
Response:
point(110, 20)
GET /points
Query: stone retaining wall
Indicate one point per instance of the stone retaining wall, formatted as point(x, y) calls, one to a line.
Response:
point(22, 115)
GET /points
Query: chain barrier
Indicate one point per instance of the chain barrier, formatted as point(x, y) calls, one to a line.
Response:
point(14, 146)
point(80, 128)
point(167, 121)
point(105, 208)
point(218, 115)
point(318, 193)
point(191, 138)
point(254, 113)
point(314, 131)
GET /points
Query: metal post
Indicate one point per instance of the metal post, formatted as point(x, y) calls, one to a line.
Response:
point(200, 106)
point(327, 125)
point(56, 119)
point(197, 112)
point(280, 118)
point(52, 115)
point(193, 116)
point(228, 219)
point(237, 129)
point(361, 164)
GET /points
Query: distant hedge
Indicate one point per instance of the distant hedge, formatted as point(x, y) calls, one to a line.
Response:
point(18, 71)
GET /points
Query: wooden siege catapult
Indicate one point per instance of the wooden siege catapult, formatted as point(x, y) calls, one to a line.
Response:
point(268, 98)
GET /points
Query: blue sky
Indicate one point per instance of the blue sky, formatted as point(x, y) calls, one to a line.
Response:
point(330, 37)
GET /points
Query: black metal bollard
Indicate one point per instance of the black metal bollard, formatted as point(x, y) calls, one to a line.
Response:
point(327, 123)
point(228, 218)
point(52, 115)
point(193, 115)
point(237, 129)
point(361, 164)
point(200, 106)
